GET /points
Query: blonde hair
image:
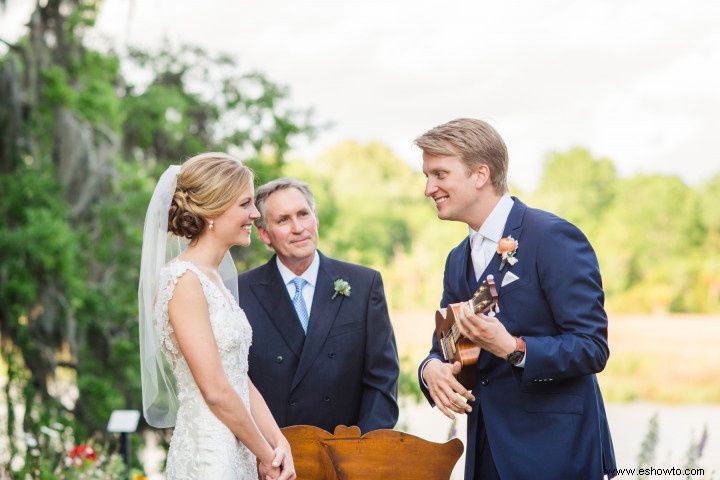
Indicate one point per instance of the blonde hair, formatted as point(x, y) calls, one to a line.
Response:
point(207, 185)
point(475, 141)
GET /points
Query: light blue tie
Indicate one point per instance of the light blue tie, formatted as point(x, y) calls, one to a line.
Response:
point(299, 302)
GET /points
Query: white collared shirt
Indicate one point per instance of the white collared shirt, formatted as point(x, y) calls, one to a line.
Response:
point(492, 229)
point(310, 275)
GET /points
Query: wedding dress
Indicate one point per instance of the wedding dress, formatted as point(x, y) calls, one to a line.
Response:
point(202, 447)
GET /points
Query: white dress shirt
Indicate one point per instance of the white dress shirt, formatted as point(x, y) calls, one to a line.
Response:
point(489, 234)
point(309, 275)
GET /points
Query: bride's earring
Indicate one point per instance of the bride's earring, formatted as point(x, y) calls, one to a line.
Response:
point(212, 224)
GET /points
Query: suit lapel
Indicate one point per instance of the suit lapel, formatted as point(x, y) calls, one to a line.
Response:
point(273, 296)
point(469, 285)
point(322, 315)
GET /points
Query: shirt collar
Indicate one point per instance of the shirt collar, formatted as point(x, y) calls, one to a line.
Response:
point(493, 226)
point(310, 275)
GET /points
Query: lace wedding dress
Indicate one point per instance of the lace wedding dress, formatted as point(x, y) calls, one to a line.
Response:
point(202, 447)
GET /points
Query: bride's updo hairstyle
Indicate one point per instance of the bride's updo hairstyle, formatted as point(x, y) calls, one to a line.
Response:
point(206, 187)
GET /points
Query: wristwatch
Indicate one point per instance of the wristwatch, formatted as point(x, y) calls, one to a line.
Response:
point(517, 356)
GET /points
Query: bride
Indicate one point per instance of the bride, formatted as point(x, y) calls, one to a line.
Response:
point(194, 338)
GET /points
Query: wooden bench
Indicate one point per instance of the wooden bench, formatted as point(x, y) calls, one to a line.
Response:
point(377, 455)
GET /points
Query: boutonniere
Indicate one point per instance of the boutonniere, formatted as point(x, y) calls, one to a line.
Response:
point(507, 248)
point(342, 287)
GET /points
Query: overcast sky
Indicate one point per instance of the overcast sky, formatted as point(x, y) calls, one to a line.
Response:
point(637, 81)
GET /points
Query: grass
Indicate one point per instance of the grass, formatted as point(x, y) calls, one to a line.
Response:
point(672, 359)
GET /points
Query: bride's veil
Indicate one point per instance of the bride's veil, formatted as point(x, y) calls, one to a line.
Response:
point(159, 390)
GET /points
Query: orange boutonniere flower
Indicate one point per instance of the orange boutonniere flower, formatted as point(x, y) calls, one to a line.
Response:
point(507, 247)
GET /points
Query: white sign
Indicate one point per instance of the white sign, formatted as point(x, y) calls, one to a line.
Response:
point(123, 421)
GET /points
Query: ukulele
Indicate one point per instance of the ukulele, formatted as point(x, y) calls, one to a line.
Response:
point(453, 346)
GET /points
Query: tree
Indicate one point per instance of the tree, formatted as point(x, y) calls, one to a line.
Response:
point(81, 146)
point(578, 187)
point(648, 244)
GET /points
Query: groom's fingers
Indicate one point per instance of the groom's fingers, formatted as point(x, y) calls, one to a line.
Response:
point(451, 401)
point(440, 402)
point(447, 393)
point(458, 403)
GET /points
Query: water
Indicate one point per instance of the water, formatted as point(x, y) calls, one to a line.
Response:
point(678, 425)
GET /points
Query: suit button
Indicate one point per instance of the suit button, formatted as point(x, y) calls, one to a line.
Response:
point(326, 398)
point(331, 355)
point(484, 382)
point(279, 359)
point(293, 403)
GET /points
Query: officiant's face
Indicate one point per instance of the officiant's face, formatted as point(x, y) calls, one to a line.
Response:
point(291, 227)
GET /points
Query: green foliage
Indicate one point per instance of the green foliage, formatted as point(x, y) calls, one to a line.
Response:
point(651, 218)
point(578, 187)
point(49, 459)
point(646, 457)
point(69, 269)
point(655, 237)
point(176, 115)
point(694, 452)
point(407, 382)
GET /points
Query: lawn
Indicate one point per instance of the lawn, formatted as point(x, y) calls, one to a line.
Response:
point(669, 359)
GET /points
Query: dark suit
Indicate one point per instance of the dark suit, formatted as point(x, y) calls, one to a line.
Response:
point(345, 371)
point(547, 420)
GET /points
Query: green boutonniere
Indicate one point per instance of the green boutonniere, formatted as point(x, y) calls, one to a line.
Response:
point(342, 287)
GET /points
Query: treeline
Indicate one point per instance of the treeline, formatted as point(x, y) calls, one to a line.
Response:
point(657, 239)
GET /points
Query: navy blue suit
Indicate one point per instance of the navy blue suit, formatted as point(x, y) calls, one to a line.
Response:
point(345, 371)
point(547, 420)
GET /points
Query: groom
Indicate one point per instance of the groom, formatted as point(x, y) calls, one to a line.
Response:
point(535, 410)
point(323, 350)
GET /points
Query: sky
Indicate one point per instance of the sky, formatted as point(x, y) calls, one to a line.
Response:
point(636, 82)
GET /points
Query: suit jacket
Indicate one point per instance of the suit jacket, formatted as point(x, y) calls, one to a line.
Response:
point(546, 420)
point(345, 371)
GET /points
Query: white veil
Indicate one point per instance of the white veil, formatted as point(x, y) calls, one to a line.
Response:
point(159, 390)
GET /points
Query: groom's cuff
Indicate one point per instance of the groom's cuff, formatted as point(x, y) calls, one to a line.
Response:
point(522, 362)
point(422, 370)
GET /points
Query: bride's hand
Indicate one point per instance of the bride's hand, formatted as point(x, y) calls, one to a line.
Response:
point(283, 459)
point(269, 471)
point(270, 467)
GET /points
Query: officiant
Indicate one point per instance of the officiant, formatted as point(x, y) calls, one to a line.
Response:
point(323, 350)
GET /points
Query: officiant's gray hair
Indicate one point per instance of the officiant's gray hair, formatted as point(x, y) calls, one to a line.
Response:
point(264, 191)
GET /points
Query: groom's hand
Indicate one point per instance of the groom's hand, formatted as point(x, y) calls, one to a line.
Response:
point(486, 332)
point(447, 393)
